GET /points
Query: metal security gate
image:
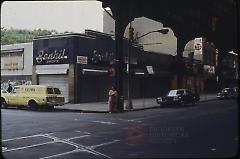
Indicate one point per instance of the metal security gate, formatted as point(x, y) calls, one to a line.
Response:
point(60, 81)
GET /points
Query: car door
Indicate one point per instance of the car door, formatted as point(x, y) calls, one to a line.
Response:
point(186, 96)
point(181, 93)
point(190, 96)
point(13, 96)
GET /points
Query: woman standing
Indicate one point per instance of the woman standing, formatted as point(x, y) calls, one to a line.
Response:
point(112, 99)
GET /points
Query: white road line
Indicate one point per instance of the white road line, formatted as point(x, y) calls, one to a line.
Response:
point(4, 148)
point(65, 153)
point(83, 132)
point(76, 137)
point(130, 120)
point(103, 144)
point(78, 147)
point(18, 138)
point(30, 146)
point(63, 141)
point(105, 122)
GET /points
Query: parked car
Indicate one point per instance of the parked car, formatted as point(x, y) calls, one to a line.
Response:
point(178, 97)
point(32, 96)
point(227, 93)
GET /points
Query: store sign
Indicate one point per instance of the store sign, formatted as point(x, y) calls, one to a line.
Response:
point(209, 69)
point(51, 57)
point(198, 46)
point(82, 60)
point(12, 61)
point(150, 69)
point(198, 49)
point(101, 57)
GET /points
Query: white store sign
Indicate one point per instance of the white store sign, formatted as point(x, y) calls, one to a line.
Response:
point(12, 61)
point(209, 69)
point(82, 60)
point(198, 46)
point(150, 69)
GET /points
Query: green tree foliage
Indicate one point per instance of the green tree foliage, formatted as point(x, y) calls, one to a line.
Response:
point(12, 36)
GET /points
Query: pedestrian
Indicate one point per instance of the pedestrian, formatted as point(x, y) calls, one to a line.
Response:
point(9, 89)
point(112, 99)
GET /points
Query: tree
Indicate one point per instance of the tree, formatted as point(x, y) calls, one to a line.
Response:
point(12, 36)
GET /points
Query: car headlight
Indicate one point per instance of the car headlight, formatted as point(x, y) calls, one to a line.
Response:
point(160, 99)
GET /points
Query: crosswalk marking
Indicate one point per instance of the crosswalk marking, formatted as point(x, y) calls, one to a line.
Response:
point(76, 147)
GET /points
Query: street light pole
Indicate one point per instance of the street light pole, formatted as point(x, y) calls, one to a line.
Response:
point(129, 105)
point(163, 31)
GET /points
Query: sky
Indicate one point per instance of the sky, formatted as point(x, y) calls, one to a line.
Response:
point(74, 16)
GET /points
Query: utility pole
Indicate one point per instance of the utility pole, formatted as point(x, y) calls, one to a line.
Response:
point(129, 105)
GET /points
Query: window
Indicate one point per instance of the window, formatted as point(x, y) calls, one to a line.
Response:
point(172, 93)
point(50, 91)
point(57, 91)
point(181, 92)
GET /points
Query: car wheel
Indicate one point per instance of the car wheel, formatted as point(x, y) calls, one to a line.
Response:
point(161, 105)
point(33, 105)
point(193, 102)
point(3, 103)
point(182, 103)
point(50, 108)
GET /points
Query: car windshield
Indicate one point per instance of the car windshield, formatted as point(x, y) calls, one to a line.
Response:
point(172, 93)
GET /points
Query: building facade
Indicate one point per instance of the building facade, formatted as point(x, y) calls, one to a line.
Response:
point(16, 64)
point(200, 58)
point(79, 65)
point(229, 70)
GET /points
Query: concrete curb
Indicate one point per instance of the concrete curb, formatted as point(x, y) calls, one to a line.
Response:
point(137, 109)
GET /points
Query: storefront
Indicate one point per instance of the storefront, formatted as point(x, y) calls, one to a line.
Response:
point(16, 64)
point(55, 75)
point(79, 65)
point(55, 61)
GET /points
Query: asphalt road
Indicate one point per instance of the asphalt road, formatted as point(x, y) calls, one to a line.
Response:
point(209, 129)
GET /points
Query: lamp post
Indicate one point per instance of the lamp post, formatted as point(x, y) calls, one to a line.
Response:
point(129, 105)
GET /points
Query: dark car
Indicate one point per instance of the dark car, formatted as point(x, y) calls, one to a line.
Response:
point(178, 97)
point(227, 93)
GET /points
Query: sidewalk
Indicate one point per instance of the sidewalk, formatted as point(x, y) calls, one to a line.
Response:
point(138, 104)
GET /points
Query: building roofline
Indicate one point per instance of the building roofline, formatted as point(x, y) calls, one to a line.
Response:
point(64, 35)
point(98, 32)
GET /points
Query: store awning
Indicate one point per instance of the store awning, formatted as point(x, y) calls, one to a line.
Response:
point(48, 72)
point(52, 69)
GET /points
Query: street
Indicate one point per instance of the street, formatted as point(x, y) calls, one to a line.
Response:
point(209, 129)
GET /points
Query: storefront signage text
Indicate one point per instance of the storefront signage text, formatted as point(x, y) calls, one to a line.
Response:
point(52, 57)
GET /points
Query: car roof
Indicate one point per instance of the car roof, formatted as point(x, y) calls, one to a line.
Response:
point(228, 88)
point(36, 86)
point(177, 89)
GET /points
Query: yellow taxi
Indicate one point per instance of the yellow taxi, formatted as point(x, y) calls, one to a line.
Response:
point(32, 96)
